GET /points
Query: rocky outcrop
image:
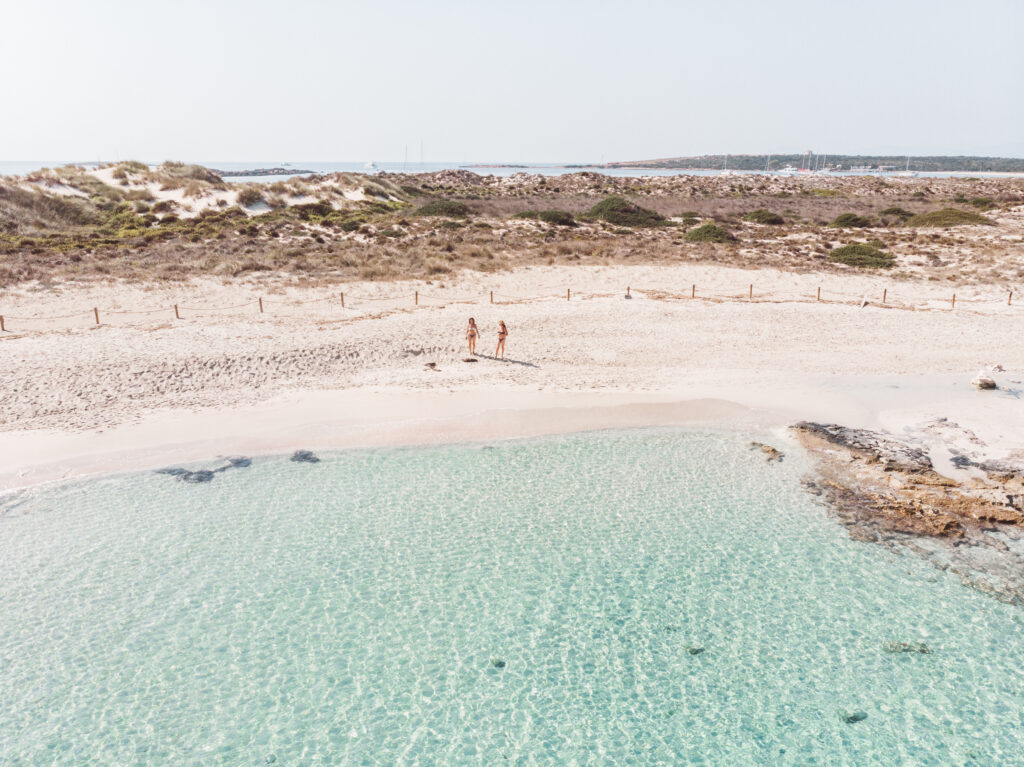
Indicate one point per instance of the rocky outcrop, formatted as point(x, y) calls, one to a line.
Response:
point(884, 489)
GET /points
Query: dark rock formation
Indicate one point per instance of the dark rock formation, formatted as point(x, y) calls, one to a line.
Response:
point(304, 456)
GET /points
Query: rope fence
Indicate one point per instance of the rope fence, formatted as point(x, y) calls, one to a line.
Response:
point(711, 294)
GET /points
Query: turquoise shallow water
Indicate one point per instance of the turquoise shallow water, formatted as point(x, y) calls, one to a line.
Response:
point(538, 602)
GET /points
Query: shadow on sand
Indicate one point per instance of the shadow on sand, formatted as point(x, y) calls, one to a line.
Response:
point(507, 359)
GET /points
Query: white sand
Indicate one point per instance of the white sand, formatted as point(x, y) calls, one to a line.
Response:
point(146, 390)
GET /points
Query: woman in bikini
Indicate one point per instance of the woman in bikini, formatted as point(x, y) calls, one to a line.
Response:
point(502, 335)
point(471, 335)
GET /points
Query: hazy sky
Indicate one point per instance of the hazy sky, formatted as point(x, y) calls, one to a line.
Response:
point(530, 80)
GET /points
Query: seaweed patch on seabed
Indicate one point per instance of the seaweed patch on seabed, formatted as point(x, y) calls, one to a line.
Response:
point(885, 490)
point(198, 476)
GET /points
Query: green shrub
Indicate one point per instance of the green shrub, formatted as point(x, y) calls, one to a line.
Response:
point(312, 210)
point(863, 255)
point(982, 203)
point(554, 217)
point(762, 216)
point(448, 208)
point(621, 212)
point(897, 212)
point(850, 221)
point(249, 196)
point(709, 233)
point(948, 217)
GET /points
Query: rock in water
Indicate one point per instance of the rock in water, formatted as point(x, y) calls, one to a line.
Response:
point(304, 456)
point(498, 663)
point(983, 381)
point(174, 472)
point(694, 650)
point(918, 647)
point(203, 475)
point(856, 716)
point(770, 453)
point(240, 463)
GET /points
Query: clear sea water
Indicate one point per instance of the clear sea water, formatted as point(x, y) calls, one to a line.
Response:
point(636, 597)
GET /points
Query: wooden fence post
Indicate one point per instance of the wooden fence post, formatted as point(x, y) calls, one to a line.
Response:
point(885, 294)
point(96, 314)
point(819, 292)
point(693, 291)
point(567, 294)
point(750, 295)
point(492, 296)
point(953, 305)
point(2, 328)
point(261, 304)
point(1009, 298)
point(342, 300)
point(176, 315)
point(627, 291)
point(417, 298)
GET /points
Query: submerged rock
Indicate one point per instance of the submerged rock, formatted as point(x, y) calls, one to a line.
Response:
point(240, 462)
point(304, 456)
point(898, 647)
point(694, 650)
point(497, 663)
point(770, 453)
point(173, 471)
point(853, 718)
point(203, 475)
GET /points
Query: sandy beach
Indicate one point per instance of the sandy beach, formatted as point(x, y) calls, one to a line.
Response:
point(143, 390)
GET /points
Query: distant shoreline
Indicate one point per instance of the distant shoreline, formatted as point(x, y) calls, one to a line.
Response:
point(263, 172)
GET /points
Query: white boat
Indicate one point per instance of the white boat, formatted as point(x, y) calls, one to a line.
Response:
point(370, 166)
point(907, 173)
point(789, 170)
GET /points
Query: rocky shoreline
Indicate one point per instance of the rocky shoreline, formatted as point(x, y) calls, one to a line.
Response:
point(885, 489)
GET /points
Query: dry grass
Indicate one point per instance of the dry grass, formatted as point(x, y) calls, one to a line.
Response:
point(48, 237)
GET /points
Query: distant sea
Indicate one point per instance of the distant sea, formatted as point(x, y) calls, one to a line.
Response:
point(21, 167)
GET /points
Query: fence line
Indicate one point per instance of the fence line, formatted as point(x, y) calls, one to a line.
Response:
point(713, 294)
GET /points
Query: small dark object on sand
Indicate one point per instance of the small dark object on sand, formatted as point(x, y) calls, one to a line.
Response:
point(304, 456)
point(431, 366)
point(856, 716)
point(469, 359)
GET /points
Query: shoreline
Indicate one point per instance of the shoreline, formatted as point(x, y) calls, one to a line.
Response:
point(753, 402)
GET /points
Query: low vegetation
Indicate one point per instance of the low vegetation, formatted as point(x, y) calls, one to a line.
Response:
point(444, 208)
point(762, 216)
point(709, 233)
point(863, 255)
point(70, 223)
point(619, 211)
point(850, 221)
point(948, 217)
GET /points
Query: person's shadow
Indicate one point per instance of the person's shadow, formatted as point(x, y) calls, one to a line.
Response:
point(507, 359)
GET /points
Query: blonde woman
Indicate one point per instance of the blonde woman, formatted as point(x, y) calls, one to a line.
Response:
point(472, 332)
point(502, 335)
